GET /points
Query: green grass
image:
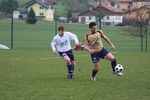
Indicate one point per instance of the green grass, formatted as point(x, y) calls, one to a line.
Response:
point(40, 75)
point(32, 72)
point(40, 35)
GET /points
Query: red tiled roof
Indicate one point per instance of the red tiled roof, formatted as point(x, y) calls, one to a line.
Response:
point(113, 9)
point(106, 2)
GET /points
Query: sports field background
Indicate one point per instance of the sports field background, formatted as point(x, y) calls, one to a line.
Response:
point(40, 35)
point(31, 72)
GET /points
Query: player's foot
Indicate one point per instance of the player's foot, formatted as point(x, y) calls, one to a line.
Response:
point(118, 73)
point(70, 76)
point(93, 78)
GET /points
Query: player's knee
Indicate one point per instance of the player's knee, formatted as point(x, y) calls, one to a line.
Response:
point(68, 61)
point(113, 59)
point(96, 67)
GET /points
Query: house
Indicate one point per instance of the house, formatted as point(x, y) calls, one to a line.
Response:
point(105, 3)
point(139, 10)
point(108, 14)
point(141, 13)
point(20, 13)
point(140, 3)
point(44, 9)
point(125, 5)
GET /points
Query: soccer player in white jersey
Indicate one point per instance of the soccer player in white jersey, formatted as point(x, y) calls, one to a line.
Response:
point(61, 44)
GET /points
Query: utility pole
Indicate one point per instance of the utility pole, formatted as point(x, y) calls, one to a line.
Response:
point(100, 23)
point(146, 34)
point(12, 22)
point(147, 23)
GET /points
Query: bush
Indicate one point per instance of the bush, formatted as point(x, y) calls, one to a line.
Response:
point(20, 16)
point(31, 18)
point(2, 15)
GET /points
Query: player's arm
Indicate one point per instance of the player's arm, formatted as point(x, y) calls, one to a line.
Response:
point(108, 41)
point(86, 46)
point(53, 45)
point(75, 38)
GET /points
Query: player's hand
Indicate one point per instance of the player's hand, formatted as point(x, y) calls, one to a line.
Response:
point(54, 52)
point(92, 51)
point(79, 47)
point(77, 44)
point(113, 47)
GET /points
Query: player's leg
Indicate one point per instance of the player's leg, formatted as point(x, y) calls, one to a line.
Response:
point(95, 59)
point(95, 70)
point(72, 58)
point(73, 64)
point(111, 58)
point(69, 66)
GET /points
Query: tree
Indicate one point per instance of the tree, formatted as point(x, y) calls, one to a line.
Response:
point(31, 18)
point(1, 15)
point(69, 15)
point(138, 25)
point(7, 5)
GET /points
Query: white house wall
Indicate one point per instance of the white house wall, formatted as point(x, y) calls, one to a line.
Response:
point(88, 19)
point(112, 19)
point(47, 13)
point(16, 14)
point(49, 16)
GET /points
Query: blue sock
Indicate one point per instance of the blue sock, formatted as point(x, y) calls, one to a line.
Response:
point(70, 68)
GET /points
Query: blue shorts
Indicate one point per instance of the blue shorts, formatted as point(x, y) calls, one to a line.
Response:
point(100, 54)
point(67, 53)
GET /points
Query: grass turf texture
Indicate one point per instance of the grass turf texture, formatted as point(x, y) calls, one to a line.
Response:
point(39, 36)
point(30, 71)
point(40, 75)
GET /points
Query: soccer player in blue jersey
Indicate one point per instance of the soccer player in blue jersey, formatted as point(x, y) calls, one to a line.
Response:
point(93, 44)
point(61, 44)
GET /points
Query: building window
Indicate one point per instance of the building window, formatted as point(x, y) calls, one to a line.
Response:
point(107, 17)
point(117, 17)
point(41, 7)
point(90, 18)
point(83, 19)
point(41, 14)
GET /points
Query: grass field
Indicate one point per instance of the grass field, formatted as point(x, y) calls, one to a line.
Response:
point(39, 75)
point(39, 36)
point(31, 72)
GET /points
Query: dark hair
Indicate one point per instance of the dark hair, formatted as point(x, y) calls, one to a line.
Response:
point(62, 28)
point(91, 24)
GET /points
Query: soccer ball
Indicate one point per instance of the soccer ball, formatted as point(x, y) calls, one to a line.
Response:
point(118, 68)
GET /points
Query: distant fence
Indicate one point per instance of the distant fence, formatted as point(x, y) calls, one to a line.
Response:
point(39, 36)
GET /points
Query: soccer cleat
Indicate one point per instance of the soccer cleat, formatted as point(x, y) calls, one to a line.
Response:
point(93, 78)
point(70, 76)
point(118, 73)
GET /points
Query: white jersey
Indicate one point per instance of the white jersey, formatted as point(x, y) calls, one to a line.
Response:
point(62, 43)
